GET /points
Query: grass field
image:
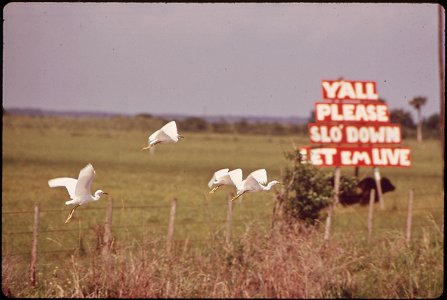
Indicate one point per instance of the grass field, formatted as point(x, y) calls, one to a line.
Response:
point(142, 185)
point(32, 155)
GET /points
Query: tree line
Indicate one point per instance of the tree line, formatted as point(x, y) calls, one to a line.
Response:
point(429, 125)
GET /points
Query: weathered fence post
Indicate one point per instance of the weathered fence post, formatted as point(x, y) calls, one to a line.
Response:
point(331, 207)
point(169, 240)
point(379, 187)
point(107, 238)
point(409, 216)
point(442, 228)
point(32, 267)
point(229, 221)
point(370, 213)
point(327, 228)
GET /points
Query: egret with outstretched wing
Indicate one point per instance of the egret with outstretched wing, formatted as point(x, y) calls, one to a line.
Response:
point(78, 189)
point(225, 177)
point(255, 181)
point(167, 134)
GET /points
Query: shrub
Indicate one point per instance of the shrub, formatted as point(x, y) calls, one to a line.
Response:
point(307, 190)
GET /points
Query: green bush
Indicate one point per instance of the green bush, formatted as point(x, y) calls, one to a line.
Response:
point(307, 190)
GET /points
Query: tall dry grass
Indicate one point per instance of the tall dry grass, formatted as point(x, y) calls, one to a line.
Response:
point(284, 263)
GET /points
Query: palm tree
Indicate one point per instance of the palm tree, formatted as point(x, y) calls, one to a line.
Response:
point(417, 103)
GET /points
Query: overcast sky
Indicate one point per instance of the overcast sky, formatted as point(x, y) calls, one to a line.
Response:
point(261, 59)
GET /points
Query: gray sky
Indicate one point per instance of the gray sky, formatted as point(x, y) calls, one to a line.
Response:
point(261, 59)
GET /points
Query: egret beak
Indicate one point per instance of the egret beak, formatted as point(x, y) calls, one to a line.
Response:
point(145, 148)
point(105, 193)
point(214, 189)
point(237, 196)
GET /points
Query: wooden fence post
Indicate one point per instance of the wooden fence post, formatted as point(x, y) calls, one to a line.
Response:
point(169, 240)
point(370, 213)
point(442, 228)
point(107, 238)
point(229, 221)
point(32, 267)
point(409, 216)
point(441, 51)
point(331, 207)
point(379, 187)
point(327, 228)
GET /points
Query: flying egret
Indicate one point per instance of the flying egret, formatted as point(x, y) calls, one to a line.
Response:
point(223, 177)
point(78, 189)
point(255, 181)
point(166, 134)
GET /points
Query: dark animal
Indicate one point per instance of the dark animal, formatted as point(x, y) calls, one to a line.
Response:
point(362, 191)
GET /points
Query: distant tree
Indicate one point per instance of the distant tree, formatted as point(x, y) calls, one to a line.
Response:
point(277, 128)
point(402, 117)
point(194, 124)
point(432, 122)
point(311, 117)
point(417, 103)
point(297, 129)
point(242, 126)
point(221, 126)
point(144, 116)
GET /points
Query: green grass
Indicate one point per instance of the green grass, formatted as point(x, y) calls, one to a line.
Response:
point(36, 149)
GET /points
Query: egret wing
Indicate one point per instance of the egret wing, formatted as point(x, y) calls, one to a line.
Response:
point(153, 136)
point(159, 135)
point(170, 130)
point(225, 179)
point(85, 179)
point(260, 175)
point(217, 175)
point(68, 183)
point(235, 176)
point(251, 184)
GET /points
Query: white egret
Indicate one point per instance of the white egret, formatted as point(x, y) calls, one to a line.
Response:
point(255, 181)
point(223, 177)
point(78, 189)
point(166, 134)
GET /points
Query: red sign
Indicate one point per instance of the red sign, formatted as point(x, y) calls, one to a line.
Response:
point(354, 133)
point(351, 112)
point(353, 116)
point(349, 90)
point(357, 156)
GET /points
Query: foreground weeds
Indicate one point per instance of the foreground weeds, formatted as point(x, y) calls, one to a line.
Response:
point(284, 263)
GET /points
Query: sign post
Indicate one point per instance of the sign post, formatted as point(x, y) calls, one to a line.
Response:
point(333, 204)
point(379, 187)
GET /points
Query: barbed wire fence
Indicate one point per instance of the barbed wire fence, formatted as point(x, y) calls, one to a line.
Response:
point(107, 237)
point(346, 210)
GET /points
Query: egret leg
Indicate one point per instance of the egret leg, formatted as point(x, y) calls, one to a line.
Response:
point(215, 188)
point(237, 196)
point(71, 213)
point(150, 145)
